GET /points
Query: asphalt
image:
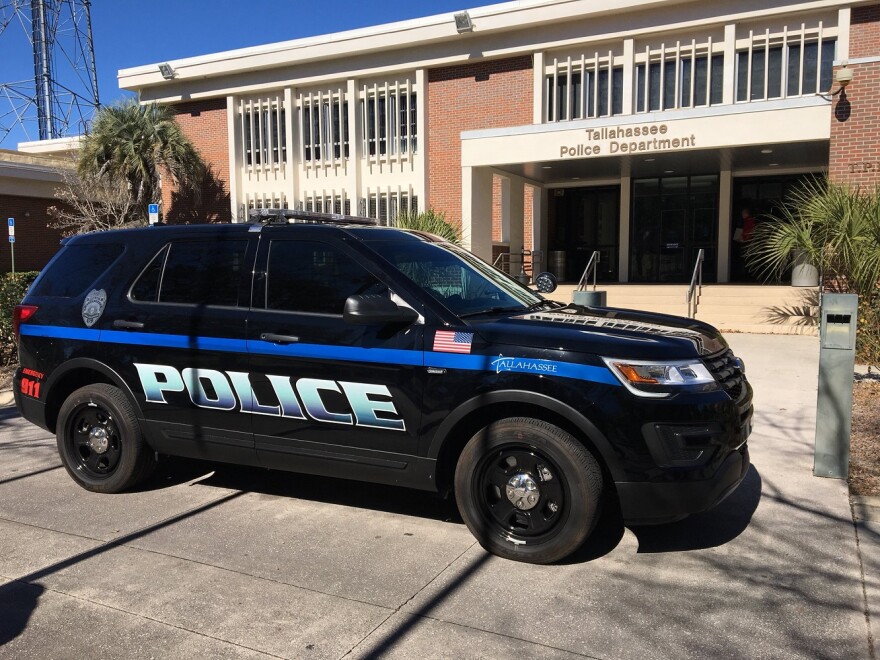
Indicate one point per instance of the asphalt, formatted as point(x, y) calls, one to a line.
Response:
point(211, 561)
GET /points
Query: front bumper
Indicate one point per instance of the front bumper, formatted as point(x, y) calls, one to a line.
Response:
point(648, 502)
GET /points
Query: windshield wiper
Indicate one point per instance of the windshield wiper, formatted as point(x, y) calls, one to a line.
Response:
point(491, 310)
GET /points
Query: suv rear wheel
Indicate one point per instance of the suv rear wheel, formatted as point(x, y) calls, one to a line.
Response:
point(527, 490)
point(100, 441)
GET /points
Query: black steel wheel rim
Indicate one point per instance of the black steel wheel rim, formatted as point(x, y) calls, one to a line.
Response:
point(493, 478)
point(93, 441)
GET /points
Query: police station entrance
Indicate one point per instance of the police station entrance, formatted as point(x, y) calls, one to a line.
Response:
point(672, 219)
point(581, 221)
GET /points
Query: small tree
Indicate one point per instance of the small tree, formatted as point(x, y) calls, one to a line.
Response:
point(92, 203)
point(837, 228)
point(134, 144)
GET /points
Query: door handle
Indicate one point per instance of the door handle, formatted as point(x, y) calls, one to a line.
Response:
point(279, 339)
point(128, 325)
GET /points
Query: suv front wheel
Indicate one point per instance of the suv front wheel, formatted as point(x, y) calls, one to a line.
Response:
point(527, 490)
point(100, 441)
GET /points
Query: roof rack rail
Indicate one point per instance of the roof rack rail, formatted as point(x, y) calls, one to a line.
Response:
point(288, 216)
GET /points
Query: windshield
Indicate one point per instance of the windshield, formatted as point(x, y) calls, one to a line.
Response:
point(462, 282)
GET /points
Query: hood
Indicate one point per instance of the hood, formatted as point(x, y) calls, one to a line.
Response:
point(605, 331)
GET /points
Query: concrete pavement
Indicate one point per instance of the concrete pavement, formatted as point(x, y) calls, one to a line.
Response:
point(217, 561)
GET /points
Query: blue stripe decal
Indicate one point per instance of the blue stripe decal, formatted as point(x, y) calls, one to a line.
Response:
point(464, 362)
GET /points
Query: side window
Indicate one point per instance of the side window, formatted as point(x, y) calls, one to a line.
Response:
point(75, 268)
point(309, 276)
point(194, 273)
point(146, 288)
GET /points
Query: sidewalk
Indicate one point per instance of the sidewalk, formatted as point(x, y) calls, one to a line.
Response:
point(217, 561)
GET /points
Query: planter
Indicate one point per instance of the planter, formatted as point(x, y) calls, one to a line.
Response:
point(803, 273)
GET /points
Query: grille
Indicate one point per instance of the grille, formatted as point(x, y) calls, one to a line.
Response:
point(723, 368)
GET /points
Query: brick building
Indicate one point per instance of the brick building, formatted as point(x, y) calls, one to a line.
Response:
point(27, 189)
point(643, 129)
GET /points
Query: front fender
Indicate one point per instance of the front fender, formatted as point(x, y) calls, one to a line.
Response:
point(571, 415)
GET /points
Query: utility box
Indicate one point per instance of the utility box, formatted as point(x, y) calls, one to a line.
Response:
point(837, 357)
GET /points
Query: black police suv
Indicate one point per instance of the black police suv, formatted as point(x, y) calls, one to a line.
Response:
point(319, 344)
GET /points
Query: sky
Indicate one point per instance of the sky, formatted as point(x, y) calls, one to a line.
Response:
point(129, 33)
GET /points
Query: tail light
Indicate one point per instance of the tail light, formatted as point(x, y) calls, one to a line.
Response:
point(21, 315)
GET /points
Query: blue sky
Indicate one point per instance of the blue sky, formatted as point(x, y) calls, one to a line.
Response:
point(128, 33)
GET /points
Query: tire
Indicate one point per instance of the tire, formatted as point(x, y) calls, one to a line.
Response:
point(100, 441)
point(563, 508)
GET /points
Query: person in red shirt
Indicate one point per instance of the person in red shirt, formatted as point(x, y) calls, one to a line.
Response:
point(742, 234)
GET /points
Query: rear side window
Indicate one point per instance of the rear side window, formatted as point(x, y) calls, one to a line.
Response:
point(75, 269)
point(193, 273)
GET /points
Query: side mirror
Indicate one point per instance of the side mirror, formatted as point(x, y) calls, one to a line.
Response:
point(546, 282)
point(375, 309)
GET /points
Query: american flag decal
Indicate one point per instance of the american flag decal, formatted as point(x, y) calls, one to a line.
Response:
point(447, 341)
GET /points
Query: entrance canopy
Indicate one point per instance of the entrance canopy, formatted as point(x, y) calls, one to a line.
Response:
point(703, 149)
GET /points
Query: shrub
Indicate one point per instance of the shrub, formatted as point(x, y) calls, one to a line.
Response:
point(13, 286)
point(430, 222)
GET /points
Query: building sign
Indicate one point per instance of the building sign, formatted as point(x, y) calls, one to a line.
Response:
point(864, 168)
point(644, 138)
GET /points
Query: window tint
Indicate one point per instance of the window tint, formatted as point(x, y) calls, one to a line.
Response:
point(458, 279)
point(146, 288)
point(203, 272)
point(308, 276)
point(75, 268)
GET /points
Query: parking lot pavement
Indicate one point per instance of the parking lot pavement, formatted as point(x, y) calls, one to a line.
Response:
point(216, 561)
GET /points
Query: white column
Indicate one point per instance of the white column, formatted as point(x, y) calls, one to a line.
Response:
point(233, 158)
point(476, 210)
point(843, 22)
point(725, 192)
point(538, 88)
point(292, 145)
point(629, 72)
point(421, 160)
point(505, 209)
point(355, 142)
point(728, 96)
point(539, 229)
point(516, 191)
point(624, 230)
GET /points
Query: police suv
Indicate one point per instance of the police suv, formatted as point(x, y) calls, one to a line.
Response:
point(323, 345)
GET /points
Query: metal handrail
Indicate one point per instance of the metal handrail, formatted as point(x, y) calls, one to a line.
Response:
point(696, 286)
point(500, 261)
point(592, 264)
point(503, 261)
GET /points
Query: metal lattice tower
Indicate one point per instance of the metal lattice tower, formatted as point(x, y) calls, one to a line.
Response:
point(63, 94)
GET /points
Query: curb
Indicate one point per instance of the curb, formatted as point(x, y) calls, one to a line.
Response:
point(866, 508)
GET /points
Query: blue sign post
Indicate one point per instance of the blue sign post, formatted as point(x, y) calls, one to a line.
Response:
point(11, 223)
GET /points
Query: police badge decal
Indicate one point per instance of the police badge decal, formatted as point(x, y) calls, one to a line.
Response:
point(93, 306)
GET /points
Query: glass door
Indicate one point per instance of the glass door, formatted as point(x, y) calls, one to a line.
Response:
point(583, 220)
point(672, 219)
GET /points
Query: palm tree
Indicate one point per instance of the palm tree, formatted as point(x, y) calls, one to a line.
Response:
point(136, 143)
point(833, 227)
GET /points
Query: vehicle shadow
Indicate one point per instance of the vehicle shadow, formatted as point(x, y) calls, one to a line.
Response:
point(362, 495)
point(704, 530)
point(709, 529)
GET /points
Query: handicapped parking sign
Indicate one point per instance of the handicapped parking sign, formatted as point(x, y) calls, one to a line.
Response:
point(154, 213)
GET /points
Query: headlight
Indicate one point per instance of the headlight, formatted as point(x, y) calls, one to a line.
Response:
point(660, 378)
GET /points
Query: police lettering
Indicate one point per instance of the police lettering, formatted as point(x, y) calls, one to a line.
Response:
point(303, 399)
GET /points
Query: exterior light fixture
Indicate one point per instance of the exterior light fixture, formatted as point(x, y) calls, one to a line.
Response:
point(842, 77)
point(463, 22)
point(166, 71)
point(766, 151)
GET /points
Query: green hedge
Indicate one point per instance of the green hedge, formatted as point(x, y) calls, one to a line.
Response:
point(868, 340)
point(12, 290)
